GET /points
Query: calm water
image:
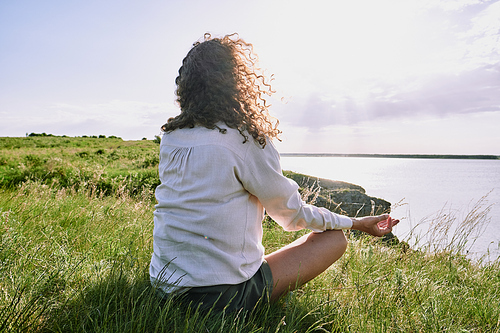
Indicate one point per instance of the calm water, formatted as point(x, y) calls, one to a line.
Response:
point(425, 186)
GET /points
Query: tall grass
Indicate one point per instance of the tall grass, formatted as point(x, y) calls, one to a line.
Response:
point(78, 262)
point(454, 231)
point(76, 259)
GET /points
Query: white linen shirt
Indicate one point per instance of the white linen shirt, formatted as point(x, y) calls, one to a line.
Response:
point(208, 220)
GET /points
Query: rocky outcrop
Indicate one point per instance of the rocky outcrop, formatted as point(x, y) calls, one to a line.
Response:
point(342, 198)
point(337, 196)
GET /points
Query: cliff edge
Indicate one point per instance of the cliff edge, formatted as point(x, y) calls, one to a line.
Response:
point(338, 196)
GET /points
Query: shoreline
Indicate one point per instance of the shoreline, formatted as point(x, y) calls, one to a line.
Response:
point(422, 156)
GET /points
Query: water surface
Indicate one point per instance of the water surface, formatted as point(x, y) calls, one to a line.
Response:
point(426, 187)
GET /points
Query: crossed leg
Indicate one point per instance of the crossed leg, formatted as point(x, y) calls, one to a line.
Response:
point(304, 259)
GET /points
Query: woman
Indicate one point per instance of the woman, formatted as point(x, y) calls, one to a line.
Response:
point(219, 172)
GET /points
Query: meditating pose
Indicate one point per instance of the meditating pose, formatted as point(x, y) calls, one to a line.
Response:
point(220, 173)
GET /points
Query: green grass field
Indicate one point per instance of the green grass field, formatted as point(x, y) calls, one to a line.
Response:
point(76, 220)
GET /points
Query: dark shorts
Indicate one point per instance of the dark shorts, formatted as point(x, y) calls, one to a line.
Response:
point(230, 297)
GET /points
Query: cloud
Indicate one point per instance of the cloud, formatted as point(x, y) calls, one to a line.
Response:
point(441, 95)
point(443, 59)
point(450, 5)
point(483, 38)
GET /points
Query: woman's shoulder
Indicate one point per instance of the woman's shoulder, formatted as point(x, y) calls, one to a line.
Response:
point(241, 144)
point(199, 136)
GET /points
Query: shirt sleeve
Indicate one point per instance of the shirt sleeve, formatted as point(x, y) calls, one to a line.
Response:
point(262, 176)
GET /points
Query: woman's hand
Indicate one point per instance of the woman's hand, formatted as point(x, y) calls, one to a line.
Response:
point(374, 225)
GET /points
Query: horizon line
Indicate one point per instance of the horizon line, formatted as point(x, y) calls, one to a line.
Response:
point(426, 156)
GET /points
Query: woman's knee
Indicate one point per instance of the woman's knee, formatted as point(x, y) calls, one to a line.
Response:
point(334, 242)
point(336, 245)
point(340, 241)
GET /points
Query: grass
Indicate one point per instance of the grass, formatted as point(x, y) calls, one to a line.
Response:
point(107, 165)
point(74, 257)
point(450, 230)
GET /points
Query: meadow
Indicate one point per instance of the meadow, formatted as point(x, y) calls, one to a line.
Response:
point(76, 221)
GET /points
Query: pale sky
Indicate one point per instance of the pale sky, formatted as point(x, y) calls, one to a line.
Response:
point(357, 76)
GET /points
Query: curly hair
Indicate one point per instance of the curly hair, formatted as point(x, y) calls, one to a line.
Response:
point(219, 81)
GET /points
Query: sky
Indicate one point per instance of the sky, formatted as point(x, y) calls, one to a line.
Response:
point(357, 76)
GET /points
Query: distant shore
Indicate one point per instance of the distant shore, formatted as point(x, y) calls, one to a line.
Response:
point(456, 157)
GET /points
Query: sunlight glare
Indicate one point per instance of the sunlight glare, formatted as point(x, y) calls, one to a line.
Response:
point(347, 42)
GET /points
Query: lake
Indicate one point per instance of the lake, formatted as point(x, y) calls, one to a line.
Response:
point(425, 188)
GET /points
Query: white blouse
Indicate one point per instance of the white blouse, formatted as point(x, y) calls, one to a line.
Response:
point(208, 220)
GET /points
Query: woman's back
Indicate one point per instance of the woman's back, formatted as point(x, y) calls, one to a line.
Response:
point(205, 218)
